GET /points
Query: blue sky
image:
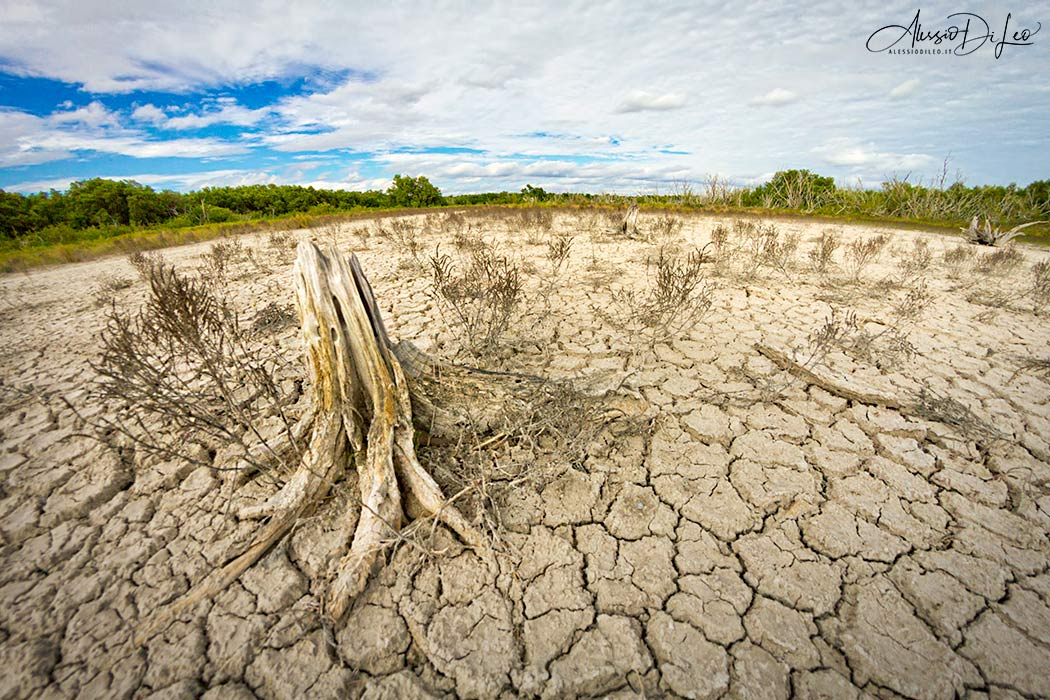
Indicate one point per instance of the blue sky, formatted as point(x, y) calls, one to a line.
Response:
point(572, 96)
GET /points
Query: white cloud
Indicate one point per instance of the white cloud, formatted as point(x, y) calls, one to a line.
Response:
point(859, 156)
point(641, 101)
point(26, 139)
point(149, 113)
point(904, 89)
point(222, 111)
point(775, 98)
point(485, 77)
point(181, 181)
point(95, 115)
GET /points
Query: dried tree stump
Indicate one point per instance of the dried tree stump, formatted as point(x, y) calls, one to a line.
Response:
point(361, 409)
point(629, 227)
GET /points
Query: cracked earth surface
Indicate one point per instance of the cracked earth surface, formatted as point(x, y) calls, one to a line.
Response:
point(805, 545)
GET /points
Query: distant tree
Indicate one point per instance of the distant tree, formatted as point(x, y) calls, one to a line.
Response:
point(793, 189)
point(1039, 195)
point(413, 192)
point(534, 194)
point(15, 216)
point(100, 202)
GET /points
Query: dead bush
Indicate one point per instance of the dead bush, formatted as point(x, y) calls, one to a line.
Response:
point(863, 252)
point(822, 255)
point(1039, 291)
point(404, 235)
point(720, 241)
point(678, 296)
point(108, 286)
point(665, 228)
point(536, 223)
point(957, 258)
point(185, 376)
point(220, 259)
point(776, 252)
point(282, 245)
point(478, 295)
point(144, 262)
point(916, 261)
point(999, 262)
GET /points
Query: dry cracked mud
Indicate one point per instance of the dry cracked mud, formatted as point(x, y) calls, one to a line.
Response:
point(746, 543)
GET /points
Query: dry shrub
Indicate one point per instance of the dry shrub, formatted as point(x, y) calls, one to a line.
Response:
point(720, 241)
point(478, 295)
point(891, 346)
point(665, 227)
point(863, 252)
point(759, 245)
point(108, 286)
point(403, 234)
point(544, 430)
point(999, 262)
point(916, 261)
point(822, 255)
point(536, 223)
point(220, 259)
point(464, 239)
point(1035, 365)
point(936, 406)
point(144, 262)
point(776, 252)
point(281, 246)
point(453, 223)
point(558, 249)
point(1039, 290)
point(957, 258)
point(678, 296)
point(185, 376)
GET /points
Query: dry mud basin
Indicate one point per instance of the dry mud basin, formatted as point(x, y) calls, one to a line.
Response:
point(754, 536)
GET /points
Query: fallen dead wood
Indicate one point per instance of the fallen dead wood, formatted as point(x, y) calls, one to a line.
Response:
point(838, 388)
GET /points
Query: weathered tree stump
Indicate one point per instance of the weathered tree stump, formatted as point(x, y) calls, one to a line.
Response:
point(361, 416)
point(629, 227)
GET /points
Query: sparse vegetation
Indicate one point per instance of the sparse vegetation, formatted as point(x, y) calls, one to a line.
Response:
point(863, 252)
point(999, 262)
point(186, 376)
point(822, 255)
point(479, 295)
point(677, 297)
point(957, 258)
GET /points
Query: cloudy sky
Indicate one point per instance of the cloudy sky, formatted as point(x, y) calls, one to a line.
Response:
point(631, 97)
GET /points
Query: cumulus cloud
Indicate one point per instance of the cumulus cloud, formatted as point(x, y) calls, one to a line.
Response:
point(94, 115)
point(775, 98)
point(149, 113)
point(641, 101)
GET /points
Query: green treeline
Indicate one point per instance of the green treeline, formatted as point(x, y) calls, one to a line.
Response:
point(98, 208)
